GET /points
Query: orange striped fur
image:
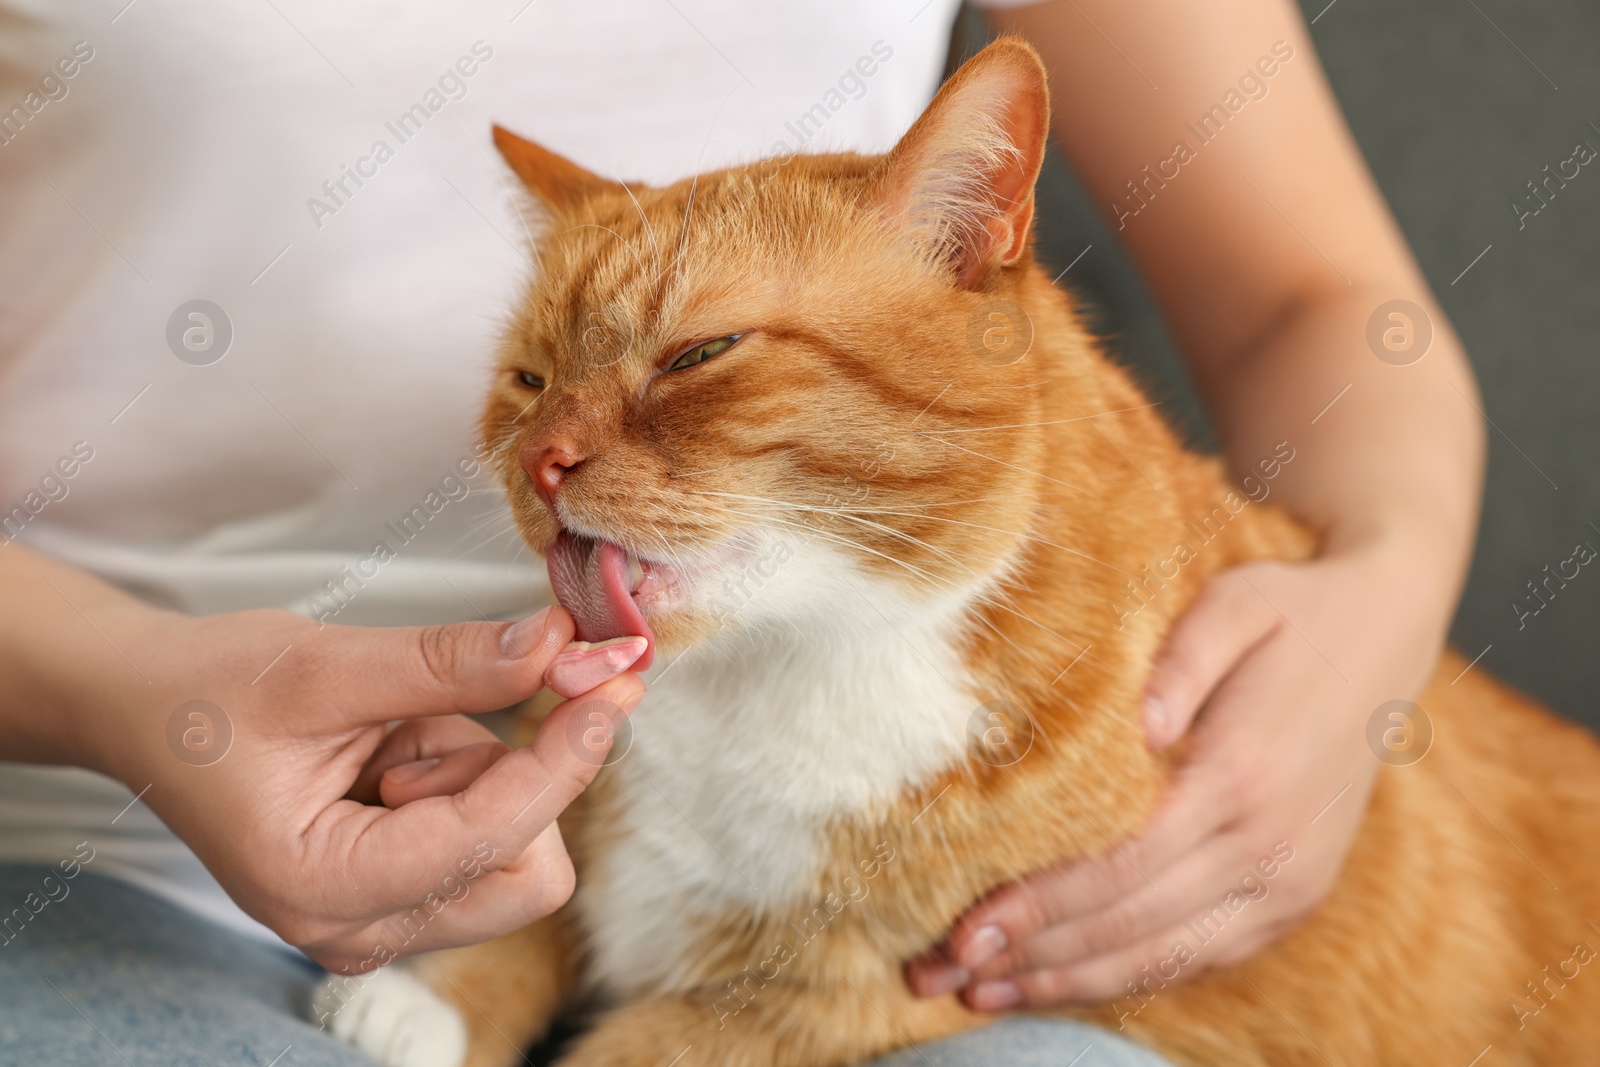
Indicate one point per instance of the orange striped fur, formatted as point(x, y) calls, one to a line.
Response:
point(876, 407)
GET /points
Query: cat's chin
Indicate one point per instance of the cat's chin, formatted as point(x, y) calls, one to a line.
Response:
point(676, 632)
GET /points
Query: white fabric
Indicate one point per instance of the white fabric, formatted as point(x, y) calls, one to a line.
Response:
point(181, 161)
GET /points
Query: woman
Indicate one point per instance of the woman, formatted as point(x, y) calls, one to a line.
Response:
point(252, 273)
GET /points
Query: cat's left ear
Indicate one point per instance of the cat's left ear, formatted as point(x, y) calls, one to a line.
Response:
point(558, 182)
point(961, 180)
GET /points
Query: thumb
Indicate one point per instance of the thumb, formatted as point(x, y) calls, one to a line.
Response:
point(397, 855)
point(406, 672)
point(1227, 620)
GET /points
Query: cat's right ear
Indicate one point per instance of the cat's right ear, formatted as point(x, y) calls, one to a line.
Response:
point(558, 182)
point(960, 182)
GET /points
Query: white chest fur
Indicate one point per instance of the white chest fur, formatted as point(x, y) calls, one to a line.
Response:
point(749, 745)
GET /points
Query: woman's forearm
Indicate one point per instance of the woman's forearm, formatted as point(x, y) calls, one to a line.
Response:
point(1227, 172)
point(54, 654)
point(1385, 455)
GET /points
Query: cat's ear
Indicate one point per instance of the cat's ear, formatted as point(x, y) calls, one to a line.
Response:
point(961, 180)
point(557, 181)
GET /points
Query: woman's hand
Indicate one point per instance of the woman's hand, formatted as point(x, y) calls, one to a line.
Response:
point(1273, 673)
point(287, 813)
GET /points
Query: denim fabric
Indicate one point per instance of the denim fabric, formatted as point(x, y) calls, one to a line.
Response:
point(1028, 1042)
point(110, 976)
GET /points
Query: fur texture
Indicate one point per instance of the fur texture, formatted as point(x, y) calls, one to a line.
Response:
point(914, 488)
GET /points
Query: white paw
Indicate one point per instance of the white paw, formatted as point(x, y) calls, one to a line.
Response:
point(392, 1017)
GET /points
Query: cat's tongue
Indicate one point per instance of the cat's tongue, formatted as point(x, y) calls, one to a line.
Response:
point(590, 579)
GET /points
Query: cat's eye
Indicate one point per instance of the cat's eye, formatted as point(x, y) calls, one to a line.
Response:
point(704, 351)
point(531, 380)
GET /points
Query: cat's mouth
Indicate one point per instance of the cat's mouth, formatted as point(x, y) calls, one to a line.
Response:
point(606, 589)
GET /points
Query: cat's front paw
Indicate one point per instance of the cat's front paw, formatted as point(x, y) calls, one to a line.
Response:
point(393, 1017)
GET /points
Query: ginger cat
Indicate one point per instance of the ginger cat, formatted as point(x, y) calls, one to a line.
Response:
point(818, 426)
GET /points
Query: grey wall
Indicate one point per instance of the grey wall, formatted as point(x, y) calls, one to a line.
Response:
point(1454, 121)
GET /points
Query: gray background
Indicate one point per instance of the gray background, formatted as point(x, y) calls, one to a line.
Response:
point(1454, 121)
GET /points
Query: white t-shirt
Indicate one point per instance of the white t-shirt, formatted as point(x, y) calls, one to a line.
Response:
point(322, 176)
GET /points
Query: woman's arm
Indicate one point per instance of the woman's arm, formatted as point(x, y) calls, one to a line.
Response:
point(1267, 253)
point(319, 820)
point(1269, 250)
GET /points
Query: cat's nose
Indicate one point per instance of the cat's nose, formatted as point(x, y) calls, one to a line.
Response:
point(548, 461)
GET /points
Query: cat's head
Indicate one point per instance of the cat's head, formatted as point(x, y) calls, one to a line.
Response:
point(735, 400)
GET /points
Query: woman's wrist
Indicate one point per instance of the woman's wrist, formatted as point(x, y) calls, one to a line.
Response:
point(74, 664)
point(109, 705)
point(1417, 565)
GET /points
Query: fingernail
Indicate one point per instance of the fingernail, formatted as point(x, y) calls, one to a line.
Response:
point(410, 772)
point(997, 994)
point(524, 635)
point(582, 666)
point(942, 979)
point(1155, 718)
point(983, 946)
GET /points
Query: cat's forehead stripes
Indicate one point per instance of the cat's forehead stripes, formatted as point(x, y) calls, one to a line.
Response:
point(613, 280)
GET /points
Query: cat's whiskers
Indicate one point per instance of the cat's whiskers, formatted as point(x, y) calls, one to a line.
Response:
point(1051, 422)
point(484, 542)
point(625, 242)
point(1001, 634)
point(683, 233)
point(696, 474)
point(494, 517)
point(1025, 537)
point(655, 248)
point(896, 509)
point(980, 597)
point(1003, 463)
point(840, 539)
point(999, 604)
point(837, 512)
point(840, 509)
point(947, 555)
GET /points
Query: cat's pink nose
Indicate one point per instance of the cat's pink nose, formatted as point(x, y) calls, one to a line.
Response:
point(548, 460)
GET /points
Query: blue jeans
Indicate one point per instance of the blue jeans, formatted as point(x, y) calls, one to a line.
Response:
point(112, 976)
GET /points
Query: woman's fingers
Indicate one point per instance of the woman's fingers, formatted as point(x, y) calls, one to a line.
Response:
point(1258, 789)
point(467, 904)
point(532, 886)
point(580, 667)
point(1207, 872)
point(1134, 975)
point(1214, 634)
point(395, 857)
point(438, 776)
point(1192, 811)
point(422, 757)
point(416, 740)
point(1099, 979)
point(368, 675)
point(1235, 766)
